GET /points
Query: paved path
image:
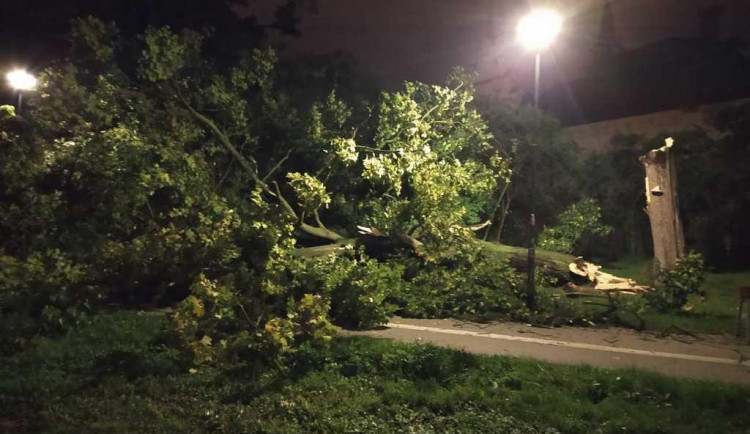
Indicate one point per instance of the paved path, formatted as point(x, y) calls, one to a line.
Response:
point(706, 357)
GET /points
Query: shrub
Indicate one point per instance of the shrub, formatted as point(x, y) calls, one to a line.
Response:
point(578, 219)
point(217, 322)
point(462, 288)
point(43, 292)
point(674, 286)
point(358, 287)
point(362, 300)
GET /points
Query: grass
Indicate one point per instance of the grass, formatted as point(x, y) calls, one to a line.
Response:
point(114, 375)
point(717, 314)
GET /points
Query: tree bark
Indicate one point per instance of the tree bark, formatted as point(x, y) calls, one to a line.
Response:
point(553, 263)
point(662, 206)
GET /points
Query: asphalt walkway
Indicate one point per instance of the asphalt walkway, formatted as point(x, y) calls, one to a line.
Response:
point(711, 357)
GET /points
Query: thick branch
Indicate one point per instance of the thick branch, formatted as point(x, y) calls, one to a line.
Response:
point(410, 241)
point(224, 141)
point(475, 227)
point(325, 250)
point(319, 232)
point(369, 149)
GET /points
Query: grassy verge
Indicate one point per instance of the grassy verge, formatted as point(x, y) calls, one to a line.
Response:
point(114, 376)
point(717, 314)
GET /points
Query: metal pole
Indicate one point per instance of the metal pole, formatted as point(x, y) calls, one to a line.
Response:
point(531, 278)
point(20, 101)
point(536, 79)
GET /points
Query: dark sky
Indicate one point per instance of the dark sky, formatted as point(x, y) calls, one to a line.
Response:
point(424, 39)
point(396, 40)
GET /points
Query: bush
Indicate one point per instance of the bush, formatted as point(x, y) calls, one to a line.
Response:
point(358, 287)
point(674, 286)
point(43, 292)
point(218, 323)
point(462, 288)
point(578, 219)
point(362, 300)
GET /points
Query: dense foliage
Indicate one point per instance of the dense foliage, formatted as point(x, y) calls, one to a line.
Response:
point(465, 288)
point(146, 172)
point(546, 172)
point(674, 286)
point(581, 218)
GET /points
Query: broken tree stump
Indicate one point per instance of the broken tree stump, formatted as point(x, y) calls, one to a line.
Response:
point(662, 206)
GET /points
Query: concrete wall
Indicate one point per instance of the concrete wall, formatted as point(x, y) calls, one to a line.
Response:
point(595, 137)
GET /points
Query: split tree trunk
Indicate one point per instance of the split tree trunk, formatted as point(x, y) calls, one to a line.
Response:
point(555, 264)
point(662, 206)
point(577, 275)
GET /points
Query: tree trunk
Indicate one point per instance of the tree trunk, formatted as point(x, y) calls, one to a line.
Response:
point(662, 206)
point(579, 275)
point(556, 264)
point(553, 263)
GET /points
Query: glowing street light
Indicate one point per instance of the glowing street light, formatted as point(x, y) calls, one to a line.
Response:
point(21, 81)
point(536, 32)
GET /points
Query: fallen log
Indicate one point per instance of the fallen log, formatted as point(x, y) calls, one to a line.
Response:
point(576, 274)
point(324, 250)
point(553, 263)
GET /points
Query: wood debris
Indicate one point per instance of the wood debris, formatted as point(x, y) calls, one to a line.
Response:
point(595, 280)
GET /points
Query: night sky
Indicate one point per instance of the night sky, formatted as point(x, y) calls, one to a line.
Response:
point(424, 39)
point(396, 40)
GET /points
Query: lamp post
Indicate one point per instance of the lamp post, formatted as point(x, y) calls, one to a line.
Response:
point(20, 80)
point(536, 32)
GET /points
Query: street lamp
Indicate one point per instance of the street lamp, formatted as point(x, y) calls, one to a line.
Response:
point(536, 32)
point(20, 80)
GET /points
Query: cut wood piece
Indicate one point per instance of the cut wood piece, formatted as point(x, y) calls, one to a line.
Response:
point(578, 267)
point(601, 281)
point(618, 287)
point(585, 269)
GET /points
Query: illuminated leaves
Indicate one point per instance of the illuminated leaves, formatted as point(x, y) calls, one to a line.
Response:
point(581, 217)
point(311, 193)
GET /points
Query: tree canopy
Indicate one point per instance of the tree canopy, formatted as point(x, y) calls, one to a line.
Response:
point(149, 170)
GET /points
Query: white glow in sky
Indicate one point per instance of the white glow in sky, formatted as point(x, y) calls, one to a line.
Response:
point(539, 29)
point(21, 80)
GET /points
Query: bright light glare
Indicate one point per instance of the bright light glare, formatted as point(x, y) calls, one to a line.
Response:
point(539, 29)
point(21, 80)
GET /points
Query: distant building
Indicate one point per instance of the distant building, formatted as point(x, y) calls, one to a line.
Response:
point(680, 76)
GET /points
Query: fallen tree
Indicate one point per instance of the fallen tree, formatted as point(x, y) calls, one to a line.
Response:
point(553, 263)
point(574, 274)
